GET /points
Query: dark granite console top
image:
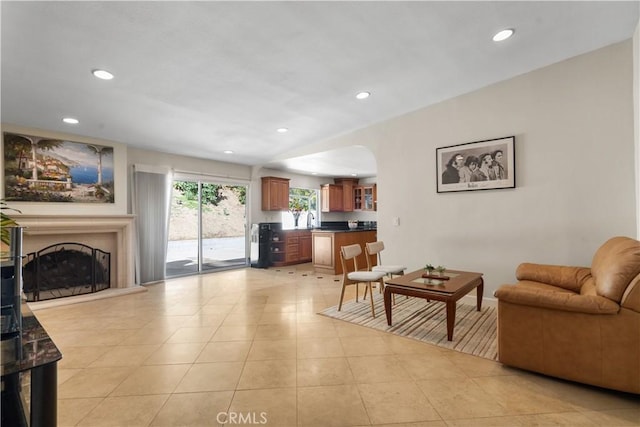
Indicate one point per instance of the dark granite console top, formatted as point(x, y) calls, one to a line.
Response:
point(33, 349)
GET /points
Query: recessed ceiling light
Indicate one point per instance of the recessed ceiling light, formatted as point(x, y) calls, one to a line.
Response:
point(228, 152)
point(102, 74)
point(282, 130)
point(363, 95)
point(71, 120)
point(503, 35)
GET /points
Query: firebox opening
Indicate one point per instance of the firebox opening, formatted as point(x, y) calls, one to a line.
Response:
point(65, 269)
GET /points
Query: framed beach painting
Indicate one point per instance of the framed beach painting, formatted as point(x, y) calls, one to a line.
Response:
point(479, 165)
point(42, 169)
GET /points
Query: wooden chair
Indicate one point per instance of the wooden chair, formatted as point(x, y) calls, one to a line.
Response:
point(372, 251)
point(353, 276)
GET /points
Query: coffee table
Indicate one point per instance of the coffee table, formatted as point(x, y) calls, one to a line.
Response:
point(449, 291)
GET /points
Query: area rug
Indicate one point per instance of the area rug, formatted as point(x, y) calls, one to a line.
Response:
point(474, 333)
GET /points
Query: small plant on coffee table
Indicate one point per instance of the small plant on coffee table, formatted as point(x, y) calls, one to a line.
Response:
point(429, 268)
point(440, 269)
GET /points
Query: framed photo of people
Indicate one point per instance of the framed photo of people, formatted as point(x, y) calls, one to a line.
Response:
point(479, 165)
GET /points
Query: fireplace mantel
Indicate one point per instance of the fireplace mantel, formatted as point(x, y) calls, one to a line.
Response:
point(119, 229)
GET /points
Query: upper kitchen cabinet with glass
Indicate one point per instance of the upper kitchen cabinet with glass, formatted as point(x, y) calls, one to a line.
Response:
point(365, 198)
point(275, 193)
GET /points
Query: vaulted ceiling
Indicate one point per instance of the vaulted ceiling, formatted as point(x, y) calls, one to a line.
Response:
point(199, 78)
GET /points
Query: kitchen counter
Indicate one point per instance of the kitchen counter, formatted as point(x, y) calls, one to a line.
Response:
point(327, 244)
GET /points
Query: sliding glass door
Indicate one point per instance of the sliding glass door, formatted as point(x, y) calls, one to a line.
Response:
point(182, 247)
point(224, 226)
point(207, 227)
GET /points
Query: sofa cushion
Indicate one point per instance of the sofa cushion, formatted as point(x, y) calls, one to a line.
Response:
point(615, 265)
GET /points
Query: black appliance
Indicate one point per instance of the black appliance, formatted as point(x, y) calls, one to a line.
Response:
point(261, 235)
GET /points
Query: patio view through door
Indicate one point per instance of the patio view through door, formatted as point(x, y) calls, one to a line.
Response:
point(207, 227)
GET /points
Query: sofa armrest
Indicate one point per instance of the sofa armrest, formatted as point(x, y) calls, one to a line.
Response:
point(564, 301)
point(571, 278)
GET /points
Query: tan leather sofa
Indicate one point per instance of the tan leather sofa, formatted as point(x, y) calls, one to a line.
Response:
point(577, 323)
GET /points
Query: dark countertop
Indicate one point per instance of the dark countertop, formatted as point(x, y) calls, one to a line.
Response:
point(36, 346)
point(329, 227)
point(337, 230)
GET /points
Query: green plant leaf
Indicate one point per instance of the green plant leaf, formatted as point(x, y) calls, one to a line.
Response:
point(6, 221)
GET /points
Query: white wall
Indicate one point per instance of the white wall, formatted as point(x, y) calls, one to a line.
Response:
point(573, 123)
point(230, 171)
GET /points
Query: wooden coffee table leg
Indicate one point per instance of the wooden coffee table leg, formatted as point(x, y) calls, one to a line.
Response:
point(387, 304)
point(451, 318)
point(480, 293)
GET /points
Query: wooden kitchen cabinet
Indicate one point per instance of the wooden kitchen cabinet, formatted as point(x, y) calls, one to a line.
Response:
point(369, 195)
point(275, 193)
point(305, 246)
point(324, 256)
point(365, 198)
point(332, 198)
point(348, 184)
point(357, 198)
point(292, 247)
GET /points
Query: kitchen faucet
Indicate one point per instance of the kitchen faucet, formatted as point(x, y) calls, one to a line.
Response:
point(310, 218)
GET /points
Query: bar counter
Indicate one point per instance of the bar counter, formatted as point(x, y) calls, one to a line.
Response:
point(327, 244)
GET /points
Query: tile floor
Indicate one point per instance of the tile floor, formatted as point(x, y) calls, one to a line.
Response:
point(246, 347)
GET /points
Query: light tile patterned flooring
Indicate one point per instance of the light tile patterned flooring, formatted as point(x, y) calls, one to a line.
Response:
point(246, 346)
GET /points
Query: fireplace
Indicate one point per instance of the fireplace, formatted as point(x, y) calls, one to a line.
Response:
point(113, 234)
point(65, 269)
